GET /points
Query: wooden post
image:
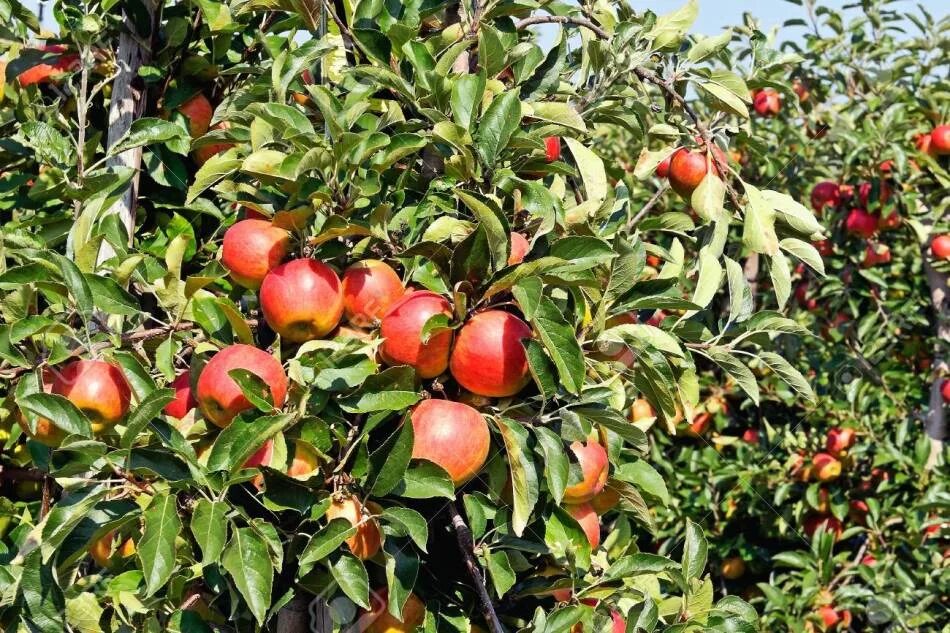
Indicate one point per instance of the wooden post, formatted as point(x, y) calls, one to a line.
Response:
point(127, 105)
point(935, 424)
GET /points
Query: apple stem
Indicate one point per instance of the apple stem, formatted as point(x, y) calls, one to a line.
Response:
point(466, 543)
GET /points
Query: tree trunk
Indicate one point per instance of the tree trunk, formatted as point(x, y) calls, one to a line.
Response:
point(935, 423)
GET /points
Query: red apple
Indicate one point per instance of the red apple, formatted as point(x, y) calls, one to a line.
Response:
point(302, 300)
point(452, 435)
point(825, 467)
point(370, 287)
point(838, 440)
point(43, 73)
point(198, 111)
point(184, 399)
point(945, 390)
point(205, 152)
point(890, 221)
point(750, 436)
point(815, 521)
point(401, 330)
point(605, 501)
point(940, 140)
point(519, 248)
point(861, 223)
point(251, 249)
point(220, 398)
point(940, 247)
point(488, 358)
point(592, 459)
point(767, 102)
point(876, 254)
point(584, 514)
point(825, 194)
point(97, 388)
point(663, 169)
point(366, 541)
point(687, 170)
point(552, 148)
point(864, 193)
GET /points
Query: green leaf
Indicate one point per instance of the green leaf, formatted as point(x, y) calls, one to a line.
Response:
point(669, 29)
point(240, 439)
point(524, 476)
point(467, 94)
point(402, 569)
point(254, 389)
point(392, 389)
point(709, 46)
point(792, 212)
point(350, 574)
point(388, 463)
point(425, 480)
point(646, 478)
point(215, 168)
point(324, 543)
point(493, 221)
point(156, 550)
point(111, 298)
point(739, 372)
point(781, 275)
point(724, 99)
point(77, 285)
point(558, 112)
point(58, 410)
point(541, 367)
point(710, 277)
point(210, 528)
point(791, 376)
point(561, 343)
point(694, 551)
point(805, 252)
point(740, 295)
point(758, 229)
point(707, 199)
point(556, 465)
point(502, 575)
point(147, 411)
point(592, 170)
point(247, 561)
point(500, 121)
point(149, 130)
point(408, 522)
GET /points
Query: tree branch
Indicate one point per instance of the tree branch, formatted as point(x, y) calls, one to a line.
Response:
point(563, 19)
point(648, 206)
point(466, 545)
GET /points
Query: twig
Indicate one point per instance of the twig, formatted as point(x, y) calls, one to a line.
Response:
point(466, 544)
point(47, 495)
point(847, 568)
point(649, 76)
point(563, 19)
point(648, 206)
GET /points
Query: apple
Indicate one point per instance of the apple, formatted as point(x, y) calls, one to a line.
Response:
point(767, 102)
point(220, 398)
point(831, 619)
point(864, 193)
point(552, 148)
point(46, 433)
point(663, 169)
point(205, 152)
point(940, 140)
point(826, 467)
point(97, 388)
point(302, 98)
point(801, 89)
point(617, 351)
point(869, 560)
point(592, 458)
point(452, 435)
point(379, 620)
point(858, 511)
point(366, 541)
point(945, 390)
point(815, 521)
point(889, 221)
point(825, 194)
point(401, 329)
point(605, 501)
point(732, 568)
point(824, 247)
point(198, 111)
point(43, 73)
point(940, 246)
point(101, 550)
point(861, 223)
point(302, 300)
point(370, 287)
point(251, 249)
point(641, 410)
point(801, 296)
point(184, 399)
point(750, 436)
point(875, 254)
point(519, 248)
point(488, 358)
point(838, 440)
point(585, 515)
point(687, 170)
point(824, 501)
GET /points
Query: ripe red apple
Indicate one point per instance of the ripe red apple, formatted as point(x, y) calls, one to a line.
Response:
point(302, 300)
point(663, 169)
point(815, 521)
point(940, 246)
point(592, 458)
point(858, 511)
point(767, 102)
point(97, 388)
point(251, 249)
point(945, 390)
point(519, 248)
point(366, 541)
point(889, 221)
point(220, 398)
point(732, 568)
point(488, 358)
point(184, 399)
point(584, 514)
point(869, 560)
point(379, 620)
point(876, 254)
point(864, 193)
point(825, 194)
point(370, 287)
point(401, 330)
point(205, 152)
point(831, 619)
point(198, 111)
point(940, 140)
point(861, 223)
point(451, 434)
point(826, 467)
point(687, 170)
point(750, 436)
point(838, 440)
point(44, 73)
point(552, 148)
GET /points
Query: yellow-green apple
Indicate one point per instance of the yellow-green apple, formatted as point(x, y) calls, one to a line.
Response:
point(251, 249)
point(452, 435)
point(370, 287)
point(488, 358)
point(302, 300)
point(220, 397)
point(401, 330)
